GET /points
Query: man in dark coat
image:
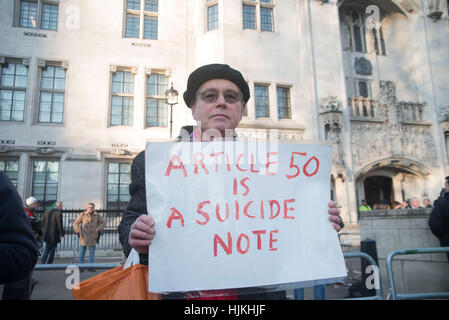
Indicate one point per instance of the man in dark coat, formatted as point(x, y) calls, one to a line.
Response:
point(53, 231)
point(18, 251)
point(439, 217)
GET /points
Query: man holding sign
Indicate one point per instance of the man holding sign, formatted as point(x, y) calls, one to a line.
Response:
point(217, 96)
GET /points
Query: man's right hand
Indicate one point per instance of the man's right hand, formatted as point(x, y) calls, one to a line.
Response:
point(142, 233)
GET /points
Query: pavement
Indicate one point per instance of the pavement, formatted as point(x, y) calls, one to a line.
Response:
point(52, 283)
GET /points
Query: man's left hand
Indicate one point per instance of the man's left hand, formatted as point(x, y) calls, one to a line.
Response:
point(334, 215)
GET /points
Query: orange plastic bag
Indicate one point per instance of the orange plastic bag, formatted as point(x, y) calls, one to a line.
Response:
point(117, 284)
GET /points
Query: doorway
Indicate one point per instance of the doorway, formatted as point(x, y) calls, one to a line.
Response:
point(378, 188)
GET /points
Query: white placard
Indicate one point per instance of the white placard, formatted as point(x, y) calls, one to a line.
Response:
point(240, 214)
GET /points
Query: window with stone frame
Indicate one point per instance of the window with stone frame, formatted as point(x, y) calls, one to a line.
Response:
point(36, 14)
point(360, 37)
point(363, 88)
point(13, 87)
point(249, 15)
point(52, 93)
point(361, 102)
point(266, 19)
point(141, 19)
point(258, 14)
point(212, 14)
point(283, 102)
point(261, 101)
point(11, 168)
point(118, 180)
point(122, 97)
point(45, 182)
point(156, 114)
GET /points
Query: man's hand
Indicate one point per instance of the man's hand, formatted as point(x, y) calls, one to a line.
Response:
point(142, 233)
point(334, 215)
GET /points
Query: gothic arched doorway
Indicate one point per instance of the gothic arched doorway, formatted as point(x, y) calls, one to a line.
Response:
point(393, 179)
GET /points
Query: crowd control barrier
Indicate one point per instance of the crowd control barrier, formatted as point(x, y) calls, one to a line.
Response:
point(392, 294)
point(80, 266)
point(105, 266)
point(347, 238)
point(359, 254)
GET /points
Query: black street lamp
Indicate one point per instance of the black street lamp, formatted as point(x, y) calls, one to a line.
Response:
point(171, 98)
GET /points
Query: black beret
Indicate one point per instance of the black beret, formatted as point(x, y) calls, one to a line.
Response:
point(214, 71)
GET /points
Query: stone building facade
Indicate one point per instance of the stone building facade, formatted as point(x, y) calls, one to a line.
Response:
point(83, 83)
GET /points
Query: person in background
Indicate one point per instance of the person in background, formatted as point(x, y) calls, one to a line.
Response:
point(36, 224)
point(18, 250)
point(53, 231)
point(365, 206)
point(396, 205)
point(426, 203)
point(88, 226)
point(382, 205)
point(439, 218)
point(414, 203)
point(31, 204)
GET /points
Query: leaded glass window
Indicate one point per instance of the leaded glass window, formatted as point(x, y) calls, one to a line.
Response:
point(13, 85)
point(122, 100)
point(156, 108)
point(118, 180)
point(45, 182)
point(283, 100)
point(52, 91)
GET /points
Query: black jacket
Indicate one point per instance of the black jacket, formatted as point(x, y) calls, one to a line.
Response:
point(137, 204)
point(439, 220)
point(53, 228)
point(18, 248)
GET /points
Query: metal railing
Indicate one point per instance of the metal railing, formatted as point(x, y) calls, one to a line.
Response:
point(106, 266)
point(393, 295)
point(108, 240)
point(377, 280)
point(346, 242)
point(81, 266)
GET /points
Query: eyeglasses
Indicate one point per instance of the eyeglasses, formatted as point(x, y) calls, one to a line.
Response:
point(211, 96)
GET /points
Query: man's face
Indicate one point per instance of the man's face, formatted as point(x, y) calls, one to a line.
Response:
point(415, 203)
point(426, 202)
point(90, 208)
point(223, 113)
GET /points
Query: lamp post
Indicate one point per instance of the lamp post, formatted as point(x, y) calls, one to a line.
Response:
point(171, 98)
point(434, 9)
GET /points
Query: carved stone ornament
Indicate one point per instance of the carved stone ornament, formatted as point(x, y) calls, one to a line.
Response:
point(4, 149)
point(330, 111)
point(121, 151)
point(444, 113)
point(388, 103)
point(363, 66)
point(45, 150)
point(321, 2)
point(434, 9)
point(330, 103)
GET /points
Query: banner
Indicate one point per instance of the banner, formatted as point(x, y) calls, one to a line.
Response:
point(240, 214)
